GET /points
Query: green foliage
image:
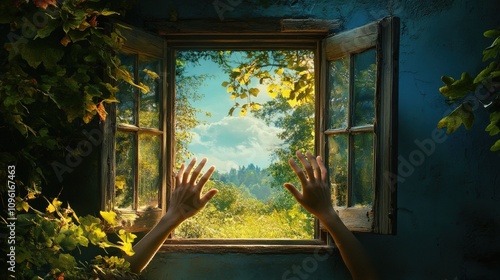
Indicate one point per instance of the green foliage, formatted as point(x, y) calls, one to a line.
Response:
point(470, 92)
point(58, 70)
point(186, 92)
point(235, 213)
point(48, 241)
point(288, 74)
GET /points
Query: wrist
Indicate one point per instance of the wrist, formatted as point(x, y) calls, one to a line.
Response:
point(329, 217)
point(171, 219)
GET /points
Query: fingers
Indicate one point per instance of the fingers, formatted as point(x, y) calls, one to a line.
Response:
point(209, 195)
point(187, 173)
point(204, 178)
point(179, 175)
point(323, 170)
point(306, 164)
point(293, 190)
point(315, 167)
point(295, 167)
point(197, 171)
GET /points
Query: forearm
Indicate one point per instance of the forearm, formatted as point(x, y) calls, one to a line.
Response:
point(354, 255)
point(147, 247)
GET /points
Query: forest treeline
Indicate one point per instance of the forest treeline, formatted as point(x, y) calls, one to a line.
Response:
point(250, 204)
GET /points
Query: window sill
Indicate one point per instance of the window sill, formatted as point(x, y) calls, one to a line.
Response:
point(246, 246)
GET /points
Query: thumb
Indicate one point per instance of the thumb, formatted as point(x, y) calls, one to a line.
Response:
point(292, 189)
point(209, 195)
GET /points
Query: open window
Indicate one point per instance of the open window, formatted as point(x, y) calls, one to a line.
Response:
point(134, 151)
point(354, 116)
point(360, 121)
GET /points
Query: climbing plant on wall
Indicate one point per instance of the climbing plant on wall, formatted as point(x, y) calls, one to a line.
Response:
point(473, 93)
point(59, 67)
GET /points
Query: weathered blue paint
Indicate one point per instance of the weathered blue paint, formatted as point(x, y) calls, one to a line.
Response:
point(448, 225)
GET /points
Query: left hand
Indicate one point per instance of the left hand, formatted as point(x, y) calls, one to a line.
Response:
point(186, 198)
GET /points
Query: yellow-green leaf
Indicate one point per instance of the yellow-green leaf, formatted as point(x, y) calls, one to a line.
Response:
point(254, 91)
point(120, 181)
point(153, 75)
point(461, 115)
point(496, 146)
point(255, 106)
point(109, 217)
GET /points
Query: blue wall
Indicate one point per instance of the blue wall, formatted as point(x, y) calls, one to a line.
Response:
point(448, 225)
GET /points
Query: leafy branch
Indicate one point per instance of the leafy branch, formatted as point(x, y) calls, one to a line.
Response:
point(480, 91)
point(47, 242)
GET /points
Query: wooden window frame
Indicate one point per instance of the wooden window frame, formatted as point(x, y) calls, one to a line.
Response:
point(383, 36)
point(138, 43)
point(272, 34)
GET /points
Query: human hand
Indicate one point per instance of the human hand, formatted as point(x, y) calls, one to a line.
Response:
point(316, 193)
point(186, 198)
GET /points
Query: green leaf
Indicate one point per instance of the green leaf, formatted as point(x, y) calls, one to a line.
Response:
point(224, 84)
point(64, 262)
point(455, 89)
point(496, 146)
point(461, 115)
point(47, 29)
point(493, 129)
point(107, 12)
point(492, 33)
point(485, 73)
point(492, 51)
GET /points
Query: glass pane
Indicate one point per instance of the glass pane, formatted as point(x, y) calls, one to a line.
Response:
point(124, 178)
point(337, 147)
point(149, 110)
point(363, 185)
point(149, 170)
point(126, 95)
point(339, 92)
point(365, 75)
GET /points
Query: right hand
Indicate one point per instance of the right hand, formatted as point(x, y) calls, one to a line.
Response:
point(316, 193)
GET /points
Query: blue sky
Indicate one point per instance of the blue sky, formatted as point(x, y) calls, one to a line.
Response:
point(229, 141)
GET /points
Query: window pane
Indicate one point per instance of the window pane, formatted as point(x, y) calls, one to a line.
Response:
point(339, 92)
point(126, 107)
point(365, 74)
point(247, 112)
point(363, 190)
point(124, 180)
point(338, 156)
point(149, 111)
point(149, 170)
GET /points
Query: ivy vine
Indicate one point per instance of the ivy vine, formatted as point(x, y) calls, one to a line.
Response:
point(58, 68)
point(473, 93)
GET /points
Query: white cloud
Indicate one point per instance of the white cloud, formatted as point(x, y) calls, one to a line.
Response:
point(235, 141)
